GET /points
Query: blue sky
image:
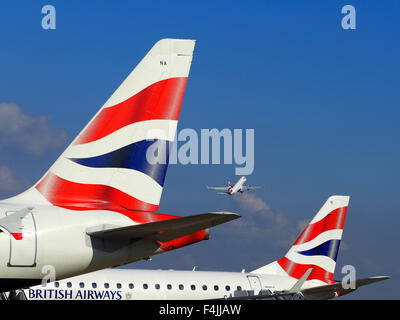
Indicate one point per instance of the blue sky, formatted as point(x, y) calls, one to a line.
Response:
point(323, 101)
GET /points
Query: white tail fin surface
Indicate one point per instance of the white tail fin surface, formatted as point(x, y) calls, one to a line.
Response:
point(106, 165)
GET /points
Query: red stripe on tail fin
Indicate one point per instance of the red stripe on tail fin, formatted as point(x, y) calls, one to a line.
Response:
point(334, 220)
point(297, 270)
point(159, 101)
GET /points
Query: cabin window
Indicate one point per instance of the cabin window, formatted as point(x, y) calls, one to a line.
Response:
point(130, 286)
point(69, 284)
point(56, 284)
point(239, 288)
point(94, 285)
point(204, 287)
point(181, 287)
point(227, 288)
point(169, 287)
point(216, 288)
point(145, 286)
point(81, 285)
point(157, 286)
point(119, 286)
point(106, 285)
point(193, 287)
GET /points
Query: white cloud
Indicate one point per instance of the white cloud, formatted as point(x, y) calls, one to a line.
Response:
point(259, 223)
point(11, 182)
point(250, 202)
point(32, 134)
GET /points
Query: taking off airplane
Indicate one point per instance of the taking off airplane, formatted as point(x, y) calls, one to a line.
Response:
point(96, 206)
point(238, 187)
point(305, 272)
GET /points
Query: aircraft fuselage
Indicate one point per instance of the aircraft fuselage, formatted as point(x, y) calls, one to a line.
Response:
point(54, 243)
point(125, 284)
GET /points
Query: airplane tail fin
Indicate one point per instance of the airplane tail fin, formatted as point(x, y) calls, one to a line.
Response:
point(317, 246)
point(119, 160)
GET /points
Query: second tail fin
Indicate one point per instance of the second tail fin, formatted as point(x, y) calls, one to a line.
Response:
point(317, 246)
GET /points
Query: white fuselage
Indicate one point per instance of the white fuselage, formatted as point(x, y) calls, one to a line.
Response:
point(238, 186)
point(55, 239)
point(129, 284)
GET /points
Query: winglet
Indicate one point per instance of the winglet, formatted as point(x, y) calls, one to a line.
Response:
point(297, 286)
point(12, 223)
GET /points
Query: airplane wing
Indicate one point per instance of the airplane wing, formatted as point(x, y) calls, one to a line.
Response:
point(218, 188)
point(248, 188)
point(165, 230)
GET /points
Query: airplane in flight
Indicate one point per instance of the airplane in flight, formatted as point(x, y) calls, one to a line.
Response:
point(96, 206)
point(238, 187)
point(305, 272)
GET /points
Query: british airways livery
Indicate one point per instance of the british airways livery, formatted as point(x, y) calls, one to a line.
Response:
point(305, 272)
point(96, 205)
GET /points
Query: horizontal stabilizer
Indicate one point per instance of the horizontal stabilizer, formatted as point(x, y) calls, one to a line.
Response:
point(296, 292)
point(340, 286)
point(166, 230)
